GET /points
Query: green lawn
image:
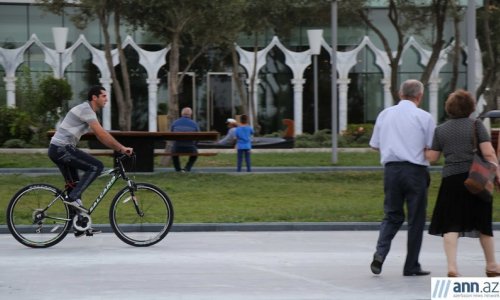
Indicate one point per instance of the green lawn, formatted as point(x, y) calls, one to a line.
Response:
point(221, 160)
point(347, 196)
point(241, 197)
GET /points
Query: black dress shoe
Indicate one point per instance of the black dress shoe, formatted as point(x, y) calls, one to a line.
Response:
point(416, 273)
point(376, 265)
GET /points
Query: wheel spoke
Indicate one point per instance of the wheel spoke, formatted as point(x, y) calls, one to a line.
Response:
point(147, 225)
point(32, 222)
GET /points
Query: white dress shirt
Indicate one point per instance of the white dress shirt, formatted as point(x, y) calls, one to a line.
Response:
point(402, 132)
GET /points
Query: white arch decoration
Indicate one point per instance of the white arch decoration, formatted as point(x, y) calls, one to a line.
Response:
point(152, 61)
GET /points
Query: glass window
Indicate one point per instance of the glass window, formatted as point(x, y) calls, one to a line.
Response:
point(40, 22)
point(92, 32)
point(275, 93)
point(81, 74)
point(16, 33)
point(410, 62)
point(3, 91)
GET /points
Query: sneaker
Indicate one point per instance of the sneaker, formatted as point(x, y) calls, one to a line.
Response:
point(78, 233)
point(75, 204)
point(88, 232)
point(92, 231)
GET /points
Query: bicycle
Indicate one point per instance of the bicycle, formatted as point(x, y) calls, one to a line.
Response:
point(140, 214)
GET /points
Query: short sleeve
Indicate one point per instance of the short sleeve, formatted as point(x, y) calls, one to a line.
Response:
point(87, 114)
point(482, 133)
point(436, 143)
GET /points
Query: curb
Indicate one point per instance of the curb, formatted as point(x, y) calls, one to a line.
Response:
point(266, 226)
point(260, 226)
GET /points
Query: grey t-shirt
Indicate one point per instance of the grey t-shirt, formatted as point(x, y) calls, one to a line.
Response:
point(455, 140)
point(74, 125)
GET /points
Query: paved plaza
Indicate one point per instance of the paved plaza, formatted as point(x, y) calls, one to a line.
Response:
point(232, 265)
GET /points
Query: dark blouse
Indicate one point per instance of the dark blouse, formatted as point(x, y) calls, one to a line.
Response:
point(455, 140)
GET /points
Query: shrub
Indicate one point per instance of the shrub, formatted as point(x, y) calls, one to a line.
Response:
point(53, 101)
point(355, 136)
point(44, 101)
point(14, 143)
point(15, 124)
point(320, 139)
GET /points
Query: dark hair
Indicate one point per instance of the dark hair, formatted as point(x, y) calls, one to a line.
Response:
point(460, 104)
point(243, 118)
point(95, 91)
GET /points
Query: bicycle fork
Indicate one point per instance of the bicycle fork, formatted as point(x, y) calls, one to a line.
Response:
point(132, 187)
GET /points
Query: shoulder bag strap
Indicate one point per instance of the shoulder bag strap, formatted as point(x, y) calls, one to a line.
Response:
point(474, 136)
point(477, 149)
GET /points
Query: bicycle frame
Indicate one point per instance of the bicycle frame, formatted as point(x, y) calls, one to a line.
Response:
point(117, 172)
point(106, 189)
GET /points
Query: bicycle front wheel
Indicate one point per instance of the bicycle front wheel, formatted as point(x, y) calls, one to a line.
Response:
point(36, 217)
point(142, 220)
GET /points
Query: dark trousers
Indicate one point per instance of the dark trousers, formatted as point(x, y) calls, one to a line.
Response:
point(69, 160)
point(404, 182)
point(176, 160)
point(241, 153)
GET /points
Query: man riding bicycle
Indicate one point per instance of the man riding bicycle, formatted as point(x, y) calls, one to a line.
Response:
point(69, 159)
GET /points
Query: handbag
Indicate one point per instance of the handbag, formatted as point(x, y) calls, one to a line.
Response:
point(480, 181)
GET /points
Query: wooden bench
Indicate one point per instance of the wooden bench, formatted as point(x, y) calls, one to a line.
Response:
point(185, 154)
point(111, 153)
point(143, 143)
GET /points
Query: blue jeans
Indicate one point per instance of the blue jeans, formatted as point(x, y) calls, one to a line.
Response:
point(404, 182)
point(241, 153)
point(69, 160)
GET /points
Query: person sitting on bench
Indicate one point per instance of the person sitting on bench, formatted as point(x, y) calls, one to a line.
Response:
point(184, 124)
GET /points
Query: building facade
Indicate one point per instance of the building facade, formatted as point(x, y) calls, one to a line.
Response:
point(285, 72)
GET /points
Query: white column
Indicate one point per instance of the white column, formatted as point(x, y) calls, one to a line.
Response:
point(60, 35)
point(343, 87)
point(256, 97)
point(152, 103)
point(298, 88)
point(433, 96)
point(388, 101)
point(106, 111)
point(253, 107)
point(10, 87)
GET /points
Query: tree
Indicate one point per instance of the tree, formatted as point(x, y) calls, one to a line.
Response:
point(261, 16)
point(488, 17)
point(438, 15)
point(277, 17)
point(457, 48)
point(407, 17)
point(178, 24)
point(106, 12)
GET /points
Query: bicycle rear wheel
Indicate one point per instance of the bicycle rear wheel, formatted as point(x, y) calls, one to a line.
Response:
point(36, 217)
point(146, 223)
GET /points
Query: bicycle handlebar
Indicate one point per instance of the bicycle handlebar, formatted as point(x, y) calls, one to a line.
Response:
point(119, 161)
point(123, 156)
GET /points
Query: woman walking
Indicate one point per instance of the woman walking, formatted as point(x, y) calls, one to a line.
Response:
point(458, 213)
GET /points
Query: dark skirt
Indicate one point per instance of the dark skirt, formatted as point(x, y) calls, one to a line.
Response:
point(457, 210)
